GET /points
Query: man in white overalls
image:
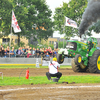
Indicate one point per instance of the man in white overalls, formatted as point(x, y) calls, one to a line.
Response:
point(53, 69)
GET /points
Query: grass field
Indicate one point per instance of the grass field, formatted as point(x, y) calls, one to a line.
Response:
point(26, 66)
point(43, 79)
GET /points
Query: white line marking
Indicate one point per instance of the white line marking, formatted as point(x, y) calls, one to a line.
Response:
point(59, 87)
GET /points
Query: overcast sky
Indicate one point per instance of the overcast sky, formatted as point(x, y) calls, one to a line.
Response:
point(52, 5)
point(55, 3)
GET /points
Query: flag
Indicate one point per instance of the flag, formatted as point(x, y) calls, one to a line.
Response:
point(15, 23)
point(70, 22)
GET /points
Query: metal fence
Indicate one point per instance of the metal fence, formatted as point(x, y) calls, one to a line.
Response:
point(67, 61)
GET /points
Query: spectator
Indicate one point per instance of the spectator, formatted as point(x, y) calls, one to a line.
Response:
point(29, 53)
point(18, 52)
point(0, 52)
point(8, 51)
point(37, 52)
point(50, 52)
point(55, 53)
point(33, 52)
point(57, 50)
point(25, 50)
point(47, 54)
point(12, 52)
point(42, 52)
point(1, 46)
point(45, 51)
point(22, 52)
point(5, 53)
point(30, 48)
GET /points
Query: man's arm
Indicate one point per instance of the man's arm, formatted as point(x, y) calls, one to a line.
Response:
point(58, 65)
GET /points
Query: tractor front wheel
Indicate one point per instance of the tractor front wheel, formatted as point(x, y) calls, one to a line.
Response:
point(60, 58)
point(94, 62)
point(78, 59)
point(78, 68)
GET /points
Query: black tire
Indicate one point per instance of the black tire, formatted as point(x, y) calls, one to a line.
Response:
point(94, 60)
point(78, 59)
point(78, 68)
point(60, 59)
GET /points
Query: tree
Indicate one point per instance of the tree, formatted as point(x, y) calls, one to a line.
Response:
point(20, 10)
point(6, 7)
point(90, 16)
point(38, 23)
point(73, 10)
point(40, 19)
point(95, 27)
point(5, 16)
point(61, 43)
point(28, 14)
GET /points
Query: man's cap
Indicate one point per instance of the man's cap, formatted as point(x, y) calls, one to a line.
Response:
point(54, 59)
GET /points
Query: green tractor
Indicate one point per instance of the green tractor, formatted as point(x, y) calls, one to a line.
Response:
point(84, 55)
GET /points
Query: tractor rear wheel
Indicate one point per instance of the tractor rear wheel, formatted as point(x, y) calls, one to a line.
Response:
point(94, 62)
point(78, 68)
point(60, 58)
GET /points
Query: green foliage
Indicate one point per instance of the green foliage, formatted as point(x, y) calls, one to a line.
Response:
point(5, 45)
point(5, 15)
point(39, 45)
point(52, 46)
point(42, 46)
point(28, 14)
point(95, 27)
point(61, 43)
point(22, 44)
point(16, 46)
point(32, 45)
point(73, 10)
point(38, 17)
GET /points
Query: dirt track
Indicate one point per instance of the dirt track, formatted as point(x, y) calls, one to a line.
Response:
point(49, 92)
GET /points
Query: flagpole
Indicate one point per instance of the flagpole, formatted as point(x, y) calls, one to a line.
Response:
point(10, 34)
point(64, 33)
point(63, 37)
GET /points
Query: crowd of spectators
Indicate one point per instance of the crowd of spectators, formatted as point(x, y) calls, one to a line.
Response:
point(28, 52)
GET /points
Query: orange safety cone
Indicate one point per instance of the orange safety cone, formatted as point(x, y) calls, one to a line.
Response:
point(27, 73)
